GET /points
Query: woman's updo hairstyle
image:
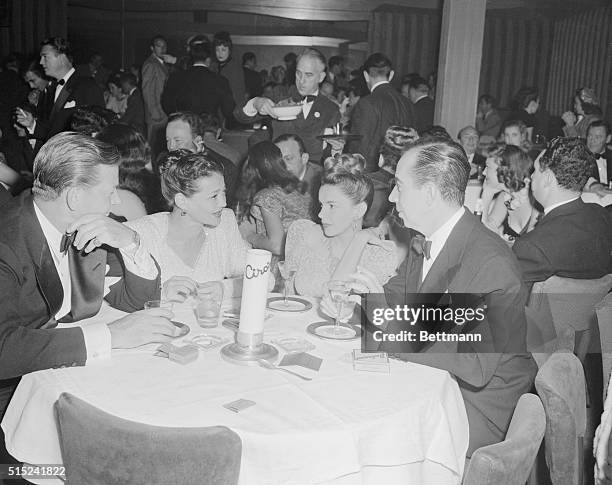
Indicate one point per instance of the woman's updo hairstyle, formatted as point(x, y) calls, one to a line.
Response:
point(180, 171)
point(346, 172)
point(397, 139)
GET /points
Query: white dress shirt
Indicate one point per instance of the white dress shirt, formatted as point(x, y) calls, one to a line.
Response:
point(97, 336)
point(602, 168)
point(59, 87)
point(438, 240)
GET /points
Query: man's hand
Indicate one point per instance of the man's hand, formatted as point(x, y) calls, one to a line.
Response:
point(24, 118)
point(93, 230)
point(264, 106)
point(168, 59)
point(143, 327)
point(178, 288)
point(330, 308)
point(569, 118)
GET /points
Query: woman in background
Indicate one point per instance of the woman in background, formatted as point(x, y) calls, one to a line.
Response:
point(271, 196)
point(333, 249)
point(139, 189)
point(507, 204)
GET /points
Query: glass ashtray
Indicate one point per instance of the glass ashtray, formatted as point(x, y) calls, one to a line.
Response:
point(206, 342)
point(292, 345)
point(370, 361)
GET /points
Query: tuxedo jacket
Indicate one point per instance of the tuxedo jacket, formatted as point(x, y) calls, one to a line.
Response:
point(573, 240)
point(198, 89)
point(371, 117)
point(32, 295)
point(135, 113)
point(77, 92)
point(491, 374)
point(154, 77)
point(424, 109)
point(595, 171)
point(323, 114)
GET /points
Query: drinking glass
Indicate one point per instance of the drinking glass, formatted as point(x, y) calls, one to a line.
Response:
point(339, 292)
point(287, 274)
point(207, 303)
point(168, 305)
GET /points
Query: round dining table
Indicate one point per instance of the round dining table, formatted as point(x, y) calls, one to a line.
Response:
point(406, 425)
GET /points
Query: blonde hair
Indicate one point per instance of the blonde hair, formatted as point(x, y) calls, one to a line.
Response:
point(345, 171)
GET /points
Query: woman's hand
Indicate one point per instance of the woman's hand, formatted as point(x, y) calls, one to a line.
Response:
point(375, 237)
point(179, 288)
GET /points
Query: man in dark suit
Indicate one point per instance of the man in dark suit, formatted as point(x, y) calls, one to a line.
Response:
point(454, 260)
point(598, 137)
point(423, 104)
point(134, 114)
point(55, 247)
point(297, 160)
point(373, 114)
point(70, 92)
point(198, 89)
point(252, 79)
point(573, 239)
point(318, 116)
point(468, 137)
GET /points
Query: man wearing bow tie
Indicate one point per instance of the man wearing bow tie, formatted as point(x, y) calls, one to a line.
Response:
point(69, 90)
point(598, 136)
point(46, 278)
point(456, 254)
point(318, 112)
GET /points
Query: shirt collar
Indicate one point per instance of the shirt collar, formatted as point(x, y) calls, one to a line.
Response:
point(558, 204)
point(439, 237)
point(378, 84)
point(67, 75)
point(420, 98)
point(52, 235)
point(132, 90)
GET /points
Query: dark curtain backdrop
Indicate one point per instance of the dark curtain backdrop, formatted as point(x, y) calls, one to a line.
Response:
point(25, 23)
point(410, 37)
point(581, 56)
point(556, 56)
point(515, 53)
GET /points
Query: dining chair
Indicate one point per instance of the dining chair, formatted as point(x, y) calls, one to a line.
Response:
point(561, 387)
point(510, 462)
point(603, 311)
point(561, 314)
point(101, 449)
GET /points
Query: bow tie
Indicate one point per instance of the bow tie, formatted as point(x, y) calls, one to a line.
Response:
point(422, 246)
point(309, 98)
point(61, 82)
point(67, 240)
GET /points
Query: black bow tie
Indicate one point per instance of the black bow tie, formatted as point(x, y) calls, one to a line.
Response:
point(422, 246)
point(61, 82)
point(67, 240)
point(309, 98)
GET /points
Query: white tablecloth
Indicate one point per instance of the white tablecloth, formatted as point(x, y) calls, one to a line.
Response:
point(406, 427)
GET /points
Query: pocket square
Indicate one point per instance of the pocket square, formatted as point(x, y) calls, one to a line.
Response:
point(70, 104)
